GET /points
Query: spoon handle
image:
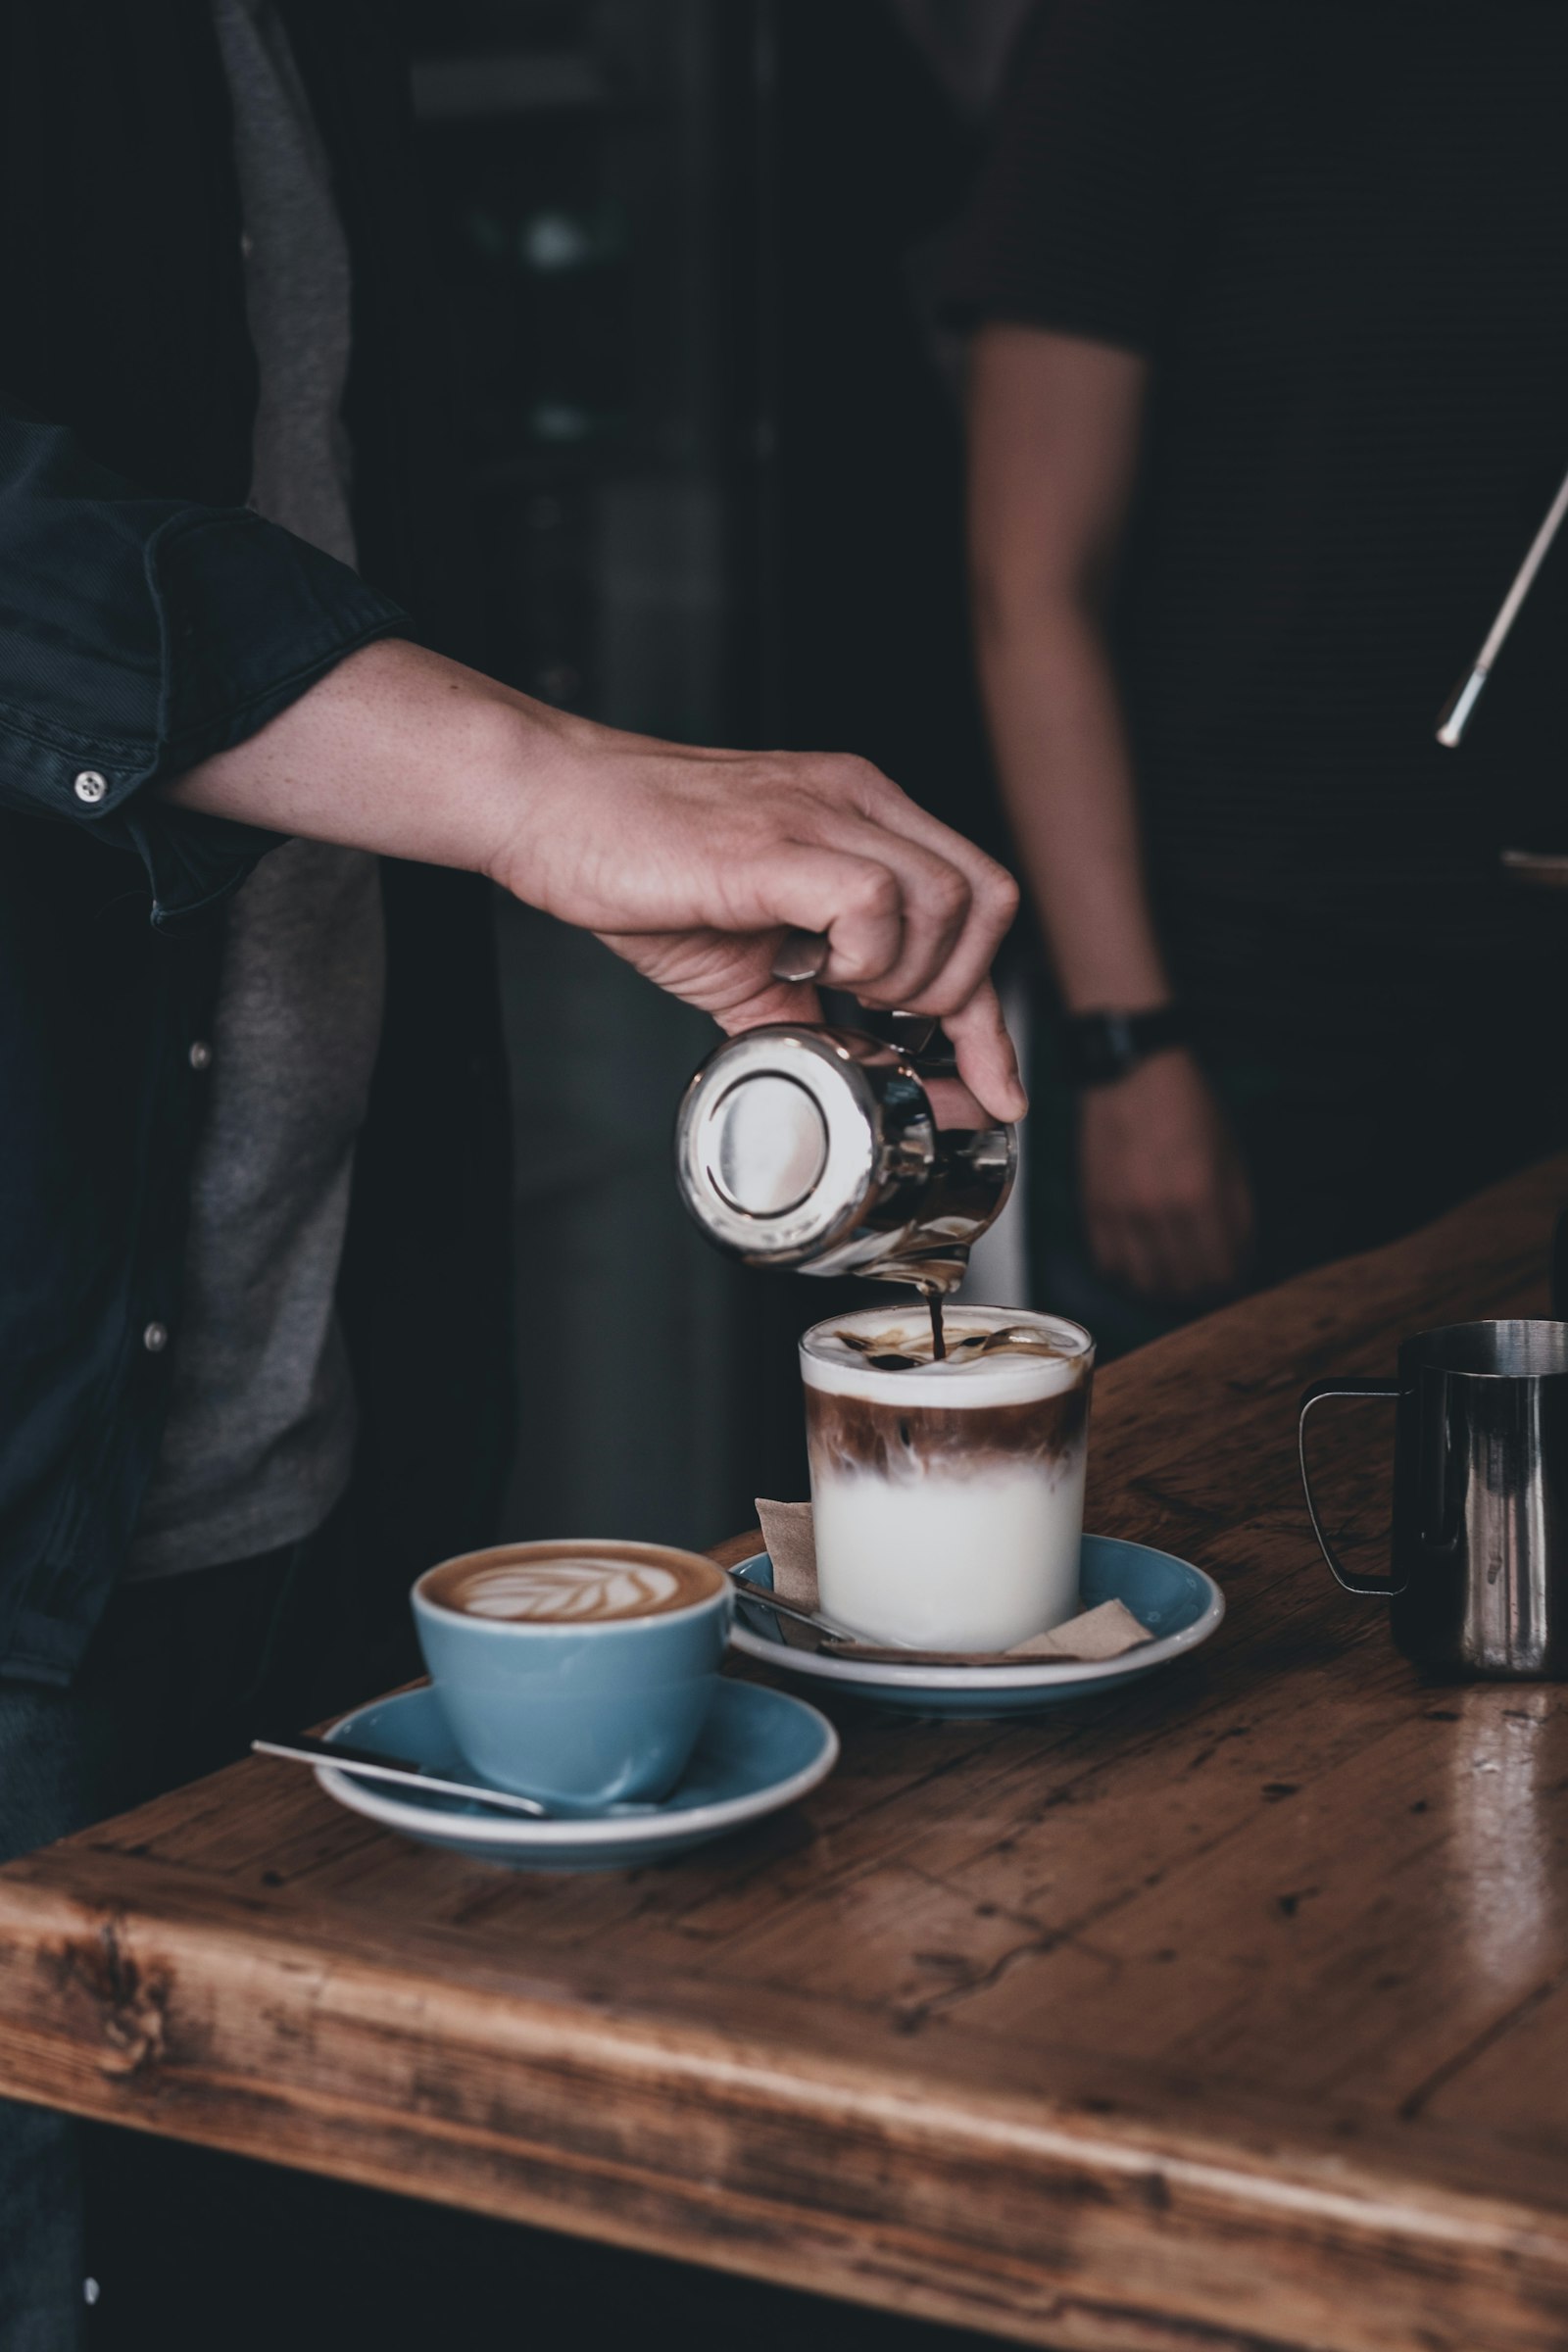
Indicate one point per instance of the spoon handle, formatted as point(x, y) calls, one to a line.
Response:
point(302, 1748)
point(767, 1598)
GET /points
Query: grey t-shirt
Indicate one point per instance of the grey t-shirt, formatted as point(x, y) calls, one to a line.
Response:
point(261, 1429)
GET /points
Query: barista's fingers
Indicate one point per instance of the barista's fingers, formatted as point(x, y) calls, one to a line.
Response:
point(993, 891)
point(877, 797)
point(856, 900)
point(936, 901)
point(953, 1104)
point(993, 903)
point(988, 1063)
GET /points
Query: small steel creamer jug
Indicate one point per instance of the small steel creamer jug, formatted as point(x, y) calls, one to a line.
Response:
point(1479, 1574)
point(819, 1148)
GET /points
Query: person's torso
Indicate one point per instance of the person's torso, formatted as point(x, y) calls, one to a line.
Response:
point(259, 1441)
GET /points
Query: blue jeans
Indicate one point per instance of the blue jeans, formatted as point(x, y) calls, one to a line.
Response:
point(181, 1674)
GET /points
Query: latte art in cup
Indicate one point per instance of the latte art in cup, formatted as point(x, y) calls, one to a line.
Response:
point(570, 1589)
point(948, 1497)
point(541, 1583)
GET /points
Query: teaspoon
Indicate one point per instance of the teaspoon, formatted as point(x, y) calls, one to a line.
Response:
point(368, 1764)
point(767, 1598)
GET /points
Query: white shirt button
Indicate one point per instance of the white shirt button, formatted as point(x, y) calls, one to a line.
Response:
point(155, 1339)
point(201, 1055)
point(90, 786)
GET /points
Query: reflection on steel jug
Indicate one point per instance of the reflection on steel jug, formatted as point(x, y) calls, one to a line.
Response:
point(1480, 1567)
point(820, 1148)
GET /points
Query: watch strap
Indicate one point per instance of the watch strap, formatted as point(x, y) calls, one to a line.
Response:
point(1098, 1048)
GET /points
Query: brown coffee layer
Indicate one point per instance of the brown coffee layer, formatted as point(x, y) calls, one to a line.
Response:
point(856, 1433)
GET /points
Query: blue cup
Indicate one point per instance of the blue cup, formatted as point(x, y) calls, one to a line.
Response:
point(581, 1713)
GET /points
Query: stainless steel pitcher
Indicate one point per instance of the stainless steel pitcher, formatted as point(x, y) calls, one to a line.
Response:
point(1479, 1581)
point(819, 1148)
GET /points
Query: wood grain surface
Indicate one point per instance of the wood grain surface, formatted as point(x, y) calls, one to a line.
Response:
point(1228, 2011)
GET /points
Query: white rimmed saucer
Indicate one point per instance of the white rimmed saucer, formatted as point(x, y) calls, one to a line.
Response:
point(1179, 1605)
point(759, 1750)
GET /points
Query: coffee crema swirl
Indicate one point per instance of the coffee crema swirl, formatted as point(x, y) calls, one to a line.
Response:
point(895, 1351)
point(570, 1586)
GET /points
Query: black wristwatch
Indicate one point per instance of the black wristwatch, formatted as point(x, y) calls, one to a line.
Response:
point(1098, 1048)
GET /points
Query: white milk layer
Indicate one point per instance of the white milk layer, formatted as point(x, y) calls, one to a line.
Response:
point(970, 1555)
point(950, 1563)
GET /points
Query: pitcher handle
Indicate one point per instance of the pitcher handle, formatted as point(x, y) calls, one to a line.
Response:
point(1376, 1588)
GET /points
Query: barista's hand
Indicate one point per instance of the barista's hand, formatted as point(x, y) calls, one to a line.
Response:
point(692, 864)
point(1166, 1204)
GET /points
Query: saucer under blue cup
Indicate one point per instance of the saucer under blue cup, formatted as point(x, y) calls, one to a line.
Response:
point(759, 1751)
point(1179, 1604)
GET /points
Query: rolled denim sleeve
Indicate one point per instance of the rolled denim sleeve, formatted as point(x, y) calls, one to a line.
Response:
point(139, 635)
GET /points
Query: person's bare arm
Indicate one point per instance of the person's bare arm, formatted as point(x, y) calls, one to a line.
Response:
point(1054, 430)
point(691, 863)
point(1055, 426)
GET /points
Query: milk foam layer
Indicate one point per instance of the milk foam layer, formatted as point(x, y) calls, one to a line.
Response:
point(830, 1363)
point(948, 1498)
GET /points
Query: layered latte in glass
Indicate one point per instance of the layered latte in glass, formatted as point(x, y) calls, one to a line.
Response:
point(948, 1498)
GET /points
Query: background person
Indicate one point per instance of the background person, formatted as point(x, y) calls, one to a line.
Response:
point(1269, 394)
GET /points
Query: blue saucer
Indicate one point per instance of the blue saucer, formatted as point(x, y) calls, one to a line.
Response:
point(1179, 1604)
point(759, 1750)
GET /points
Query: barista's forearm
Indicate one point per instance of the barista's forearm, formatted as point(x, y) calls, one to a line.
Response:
point(398, 751)
point(691, 862)
point(1066, 779)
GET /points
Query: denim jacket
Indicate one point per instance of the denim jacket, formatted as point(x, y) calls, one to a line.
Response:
point(148, 619)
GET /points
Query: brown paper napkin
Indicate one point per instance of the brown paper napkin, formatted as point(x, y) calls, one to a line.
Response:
point(1093, 1634)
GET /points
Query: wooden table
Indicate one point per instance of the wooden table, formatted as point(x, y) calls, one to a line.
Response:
point(1232, 2011)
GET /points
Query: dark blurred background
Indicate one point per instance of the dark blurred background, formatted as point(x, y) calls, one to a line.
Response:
point(711, 445)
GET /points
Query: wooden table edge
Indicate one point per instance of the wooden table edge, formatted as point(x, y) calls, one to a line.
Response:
point(95, 2020)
